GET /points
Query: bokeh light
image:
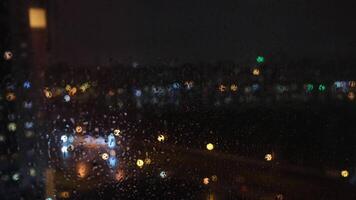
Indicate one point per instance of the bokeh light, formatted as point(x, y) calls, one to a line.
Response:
point(27, 85)
point(66, 98)
point(72, 91)
point(161, 138)
point(78, 129)
point(268, 157)
point(11, 127)
point(148, 161)
point(214, 178)
point(163, 174)
point(309, 87)
point(119, 175)
point(322, 88)
point(82, 169)
point(260, 59)
point(105, 156)
point(210, 146)
point(206, 181)
point(7, 55)
point(233, 87)
point(64, 195)
point(344, 173)
point(351, 96)
point(48, 94)
point(10, 96)
point(117, 132)
point(140, 163)
point(256, 72)
point(222, 88)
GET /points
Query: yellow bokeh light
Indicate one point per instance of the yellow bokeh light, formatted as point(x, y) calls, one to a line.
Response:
point(209, 146)
point(72, 91)
point(84, 86)
point(78, 129)
point(256, 72)
point(222, 88)
point(344, 173)
point(233, 87)
point(140, 163)
point(161, 138)
point(268, 157)
point(37, 17)
point(68, 88)
point(148, 161)
point(48, 94)
point(214, 178)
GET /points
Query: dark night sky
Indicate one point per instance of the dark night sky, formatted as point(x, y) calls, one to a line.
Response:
point(90, 32)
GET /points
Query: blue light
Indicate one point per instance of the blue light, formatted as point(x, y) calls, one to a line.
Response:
point(112, 161)
point(111, 141)
point(341, 85)
point(64, 138)
point(27, 104)
point(27, 84)
point(176, 85)
point(28, 125)
point(64, 150)
point(255, 87)
point(71, 138)
point(138, 93)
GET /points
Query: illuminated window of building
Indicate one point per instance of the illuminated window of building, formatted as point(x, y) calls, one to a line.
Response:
point(37, 17)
